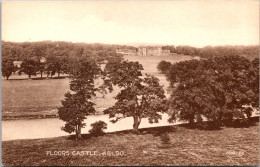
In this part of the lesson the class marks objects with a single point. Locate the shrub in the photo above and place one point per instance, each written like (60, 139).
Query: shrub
(163, 66)
(165, 139)
(98, 128)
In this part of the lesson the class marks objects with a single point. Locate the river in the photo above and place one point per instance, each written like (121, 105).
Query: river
(45, 128)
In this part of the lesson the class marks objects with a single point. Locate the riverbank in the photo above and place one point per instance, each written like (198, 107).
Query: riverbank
(29, 113)
(33, 113)
(228, 146)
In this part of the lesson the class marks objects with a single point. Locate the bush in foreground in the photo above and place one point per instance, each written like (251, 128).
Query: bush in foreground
(98, 128)
(165, 138)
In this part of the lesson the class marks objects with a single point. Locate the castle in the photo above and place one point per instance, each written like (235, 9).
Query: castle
(144, 51)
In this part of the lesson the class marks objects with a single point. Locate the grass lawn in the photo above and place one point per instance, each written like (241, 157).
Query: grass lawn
(26, 98)
(23, 99)
(150, 62)
(228, 146)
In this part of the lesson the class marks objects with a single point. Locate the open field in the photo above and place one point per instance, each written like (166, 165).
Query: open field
(25, 98)
(228, 146)
(36, 98)
(150, 62)
(150, 65)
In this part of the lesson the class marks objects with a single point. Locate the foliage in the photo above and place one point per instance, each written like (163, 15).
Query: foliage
(140, 96)
(29, 67)
(62, 57)
(165, 139)
(41, 67)
(100, 52)
(8, 68)
(163, 66)
(250, 52)
(217, 89)
(76, 106)
(98, 128)
(26, 50)
(254, 81)
(53, 65)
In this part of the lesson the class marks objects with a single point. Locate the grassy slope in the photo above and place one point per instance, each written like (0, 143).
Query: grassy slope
(188, 147)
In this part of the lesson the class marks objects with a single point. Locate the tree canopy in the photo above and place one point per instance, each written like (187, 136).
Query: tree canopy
(217, 89)
(24, 50)
(163, 66)
(140, 96)
(29, 67)
(61, 57)
(8, 68)
(250, 52)
(77, 105)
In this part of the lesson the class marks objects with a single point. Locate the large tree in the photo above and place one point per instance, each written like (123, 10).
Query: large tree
(77, 105)
(8, 68)
(140, 96)
(52, 64)
(29, 67)
(254, 81)
(217, 89)
(41, 67)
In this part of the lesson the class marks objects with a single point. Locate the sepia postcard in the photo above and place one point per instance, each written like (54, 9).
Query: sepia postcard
(130, 83)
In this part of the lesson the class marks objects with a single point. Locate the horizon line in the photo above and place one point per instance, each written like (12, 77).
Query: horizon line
(134, 44)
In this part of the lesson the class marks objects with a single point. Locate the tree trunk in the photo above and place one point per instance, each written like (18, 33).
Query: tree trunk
(7, 78)
(29, 76)
(191, 120)
(136, 124)
(58, 74)
(73, 71)
(41, 74)
(78, 131)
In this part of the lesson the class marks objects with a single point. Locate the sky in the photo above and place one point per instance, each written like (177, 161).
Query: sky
(196, 23)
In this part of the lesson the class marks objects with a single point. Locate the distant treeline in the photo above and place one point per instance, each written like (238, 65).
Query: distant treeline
(99, 52)
(62, 57)
(53, 57)
(250, 52)
(21, 51)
